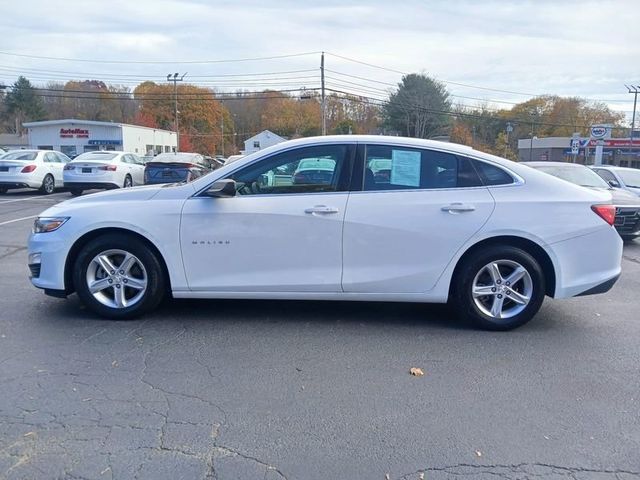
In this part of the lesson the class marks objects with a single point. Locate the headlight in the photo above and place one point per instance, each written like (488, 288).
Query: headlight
(48, 224)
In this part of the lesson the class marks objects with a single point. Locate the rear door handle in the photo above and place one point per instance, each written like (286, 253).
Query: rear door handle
(458, 208)
(321, 209)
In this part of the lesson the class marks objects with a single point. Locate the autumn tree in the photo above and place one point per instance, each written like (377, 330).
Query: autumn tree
(200, 114)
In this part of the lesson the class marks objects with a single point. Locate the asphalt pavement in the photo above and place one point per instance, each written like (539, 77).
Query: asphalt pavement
(311, 390)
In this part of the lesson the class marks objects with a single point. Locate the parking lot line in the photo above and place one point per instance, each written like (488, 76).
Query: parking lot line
(17, 220)
(24, 199)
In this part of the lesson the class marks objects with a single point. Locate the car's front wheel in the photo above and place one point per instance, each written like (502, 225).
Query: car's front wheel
(118, 277)
(499, 288)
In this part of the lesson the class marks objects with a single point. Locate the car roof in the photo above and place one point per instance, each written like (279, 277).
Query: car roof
(552, 164)
(614, 167)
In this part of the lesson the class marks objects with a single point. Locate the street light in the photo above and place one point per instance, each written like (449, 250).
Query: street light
(174, 78)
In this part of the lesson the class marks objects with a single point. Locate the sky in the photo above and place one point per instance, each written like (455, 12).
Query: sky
(488, 52)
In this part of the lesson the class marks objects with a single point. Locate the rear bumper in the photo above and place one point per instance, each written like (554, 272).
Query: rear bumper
(91, 185)
(15, 183)
(587, 264)
(604, 287)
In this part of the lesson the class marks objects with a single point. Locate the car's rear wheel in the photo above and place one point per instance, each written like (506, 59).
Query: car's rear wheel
(499, 288)
(128, 183)
(118, 277)
(76, 192)
(48, 184)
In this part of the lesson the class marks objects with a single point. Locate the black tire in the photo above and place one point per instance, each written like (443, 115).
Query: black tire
(155, 278)
(76, 192)
(128, 183)
(3, 190)
(48, 185)
(474, 271)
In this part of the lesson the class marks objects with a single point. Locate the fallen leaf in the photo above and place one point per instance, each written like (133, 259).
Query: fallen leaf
(478, 453)
(416, 372)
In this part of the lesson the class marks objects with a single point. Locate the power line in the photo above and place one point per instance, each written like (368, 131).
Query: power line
(159, 62)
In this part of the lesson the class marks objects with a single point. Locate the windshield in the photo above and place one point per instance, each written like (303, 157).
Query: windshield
(25, 156)
(317, 164)
(582, 176)
(105, 157)
(631, 178)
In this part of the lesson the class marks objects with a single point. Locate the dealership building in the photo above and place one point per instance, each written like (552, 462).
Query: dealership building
(73, 137)
(615, 151)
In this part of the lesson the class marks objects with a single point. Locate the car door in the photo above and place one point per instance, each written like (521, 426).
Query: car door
(54, 167)
(137, 169)
(59, 174)
(275, 235)
(416, 208)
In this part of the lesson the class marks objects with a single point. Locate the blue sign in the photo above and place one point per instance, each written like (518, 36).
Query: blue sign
(105, 142)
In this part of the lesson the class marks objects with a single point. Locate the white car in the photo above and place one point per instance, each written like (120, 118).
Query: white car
(448, 224)
(620, 177)
(103, 170)
(41, 169)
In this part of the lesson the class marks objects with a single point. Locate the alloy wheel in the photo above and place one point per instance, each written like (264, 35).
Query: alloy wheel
(116, 278)
(502, 289)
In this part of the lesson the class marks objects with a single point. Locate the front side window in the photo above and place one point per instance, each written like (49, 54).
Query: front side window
(304, 170)
(401, 168)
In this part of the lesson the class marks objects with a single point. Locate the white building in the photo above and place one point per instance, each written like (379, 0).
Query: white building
(73, 137)
(262, 140)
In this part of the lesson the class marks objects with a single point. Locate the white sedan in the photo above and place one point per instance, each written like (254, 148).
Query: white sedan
(103, 170)
(41, 169)
(446, 224)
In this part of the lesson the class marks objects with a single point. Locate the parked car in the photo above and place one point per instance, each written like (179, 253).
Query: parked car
(103, 170)
(175, 167)
(492, 242)
(627, 221)
(40, 169)
(620, 177)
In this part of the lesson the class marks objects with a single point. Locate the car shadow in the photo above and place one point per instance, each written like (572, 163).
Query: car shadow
(193, 312)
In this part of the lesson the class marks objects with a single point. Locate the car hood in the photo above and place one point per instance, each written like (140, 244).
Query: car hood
(123, 194)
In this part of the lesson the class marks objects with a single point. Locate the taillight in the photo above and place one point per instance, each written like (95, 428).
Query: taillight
(109, 168)
(28, 169)
(606, 212)
(69, 167)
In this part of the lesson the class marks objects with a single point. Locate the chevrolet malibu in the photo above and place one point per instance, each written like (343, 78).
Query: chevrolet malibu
(446, 224)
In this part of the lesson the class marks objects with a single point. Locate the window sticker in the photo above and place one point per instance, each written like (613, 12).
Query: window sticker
(405, 168)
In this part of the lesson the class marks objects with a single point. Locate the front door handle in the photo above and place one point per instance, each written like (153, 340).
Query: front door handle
(321, 209)
(458, 208)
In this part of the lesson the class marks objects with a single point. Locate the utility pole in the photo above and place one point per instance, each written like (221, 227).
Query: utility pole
(222, 130)
(174, 78)
(324, 103)
(633, 89)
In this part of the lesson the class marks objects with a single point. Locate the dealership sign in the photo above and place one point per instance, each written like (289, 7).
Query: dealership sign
(600, 132)
(74, 133)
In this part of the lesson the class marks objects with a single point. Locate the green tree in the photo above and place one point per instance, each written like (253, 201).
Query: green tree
(23, 104)
(419, 107)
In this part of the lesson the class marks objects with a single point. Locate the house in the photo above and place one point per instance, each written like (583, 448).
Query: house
(262, 140)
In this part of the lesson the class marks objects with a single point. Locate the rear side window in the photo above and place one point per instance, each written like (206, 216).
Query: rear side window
(400, 168)
(492, 175)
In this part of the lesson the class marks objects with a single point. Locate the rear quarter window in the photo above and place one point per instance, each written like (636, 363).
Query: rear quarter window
(492, 175)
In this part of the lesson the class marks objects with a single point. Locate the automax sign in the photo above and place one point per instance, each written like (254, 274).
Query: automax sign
(74, 133)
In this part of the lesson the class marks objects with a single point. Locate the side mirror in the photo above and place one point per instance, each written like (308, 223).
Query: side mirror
(613, 183)
(222, 188)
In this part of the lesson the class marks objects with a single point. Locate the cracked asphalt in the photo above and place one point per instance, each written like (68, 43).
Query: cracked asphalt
(310, 390)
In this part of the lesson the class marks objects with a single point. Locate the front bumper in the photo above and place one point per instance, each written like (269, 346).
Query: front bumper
(53, 253)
